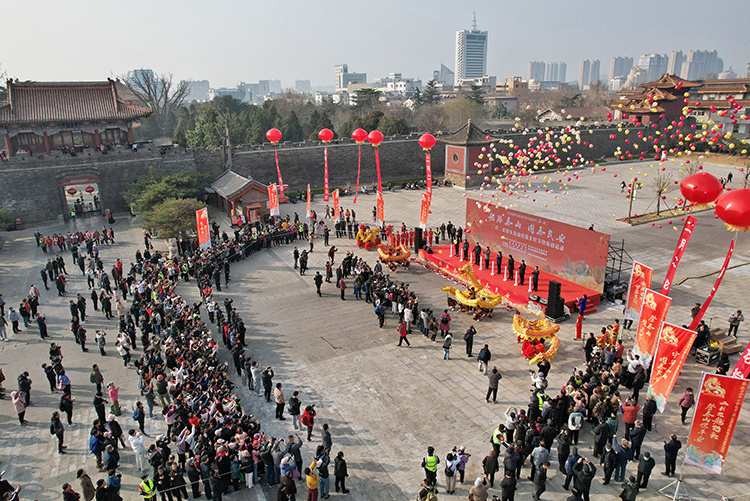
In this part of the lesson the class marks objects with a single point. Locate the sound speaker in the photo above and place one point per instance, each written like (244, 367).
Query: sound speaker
(554, 291)
(418, 239)
(428, 249)
(555, 304)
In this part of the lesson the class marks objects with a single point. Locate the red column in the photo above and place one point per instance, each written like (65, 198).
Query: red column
(45, 140)
(130, 134)
(97, 139)
(8, 149)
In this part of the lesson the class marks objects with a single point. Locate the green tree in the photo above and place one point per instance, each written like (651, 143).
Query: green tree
(352, 123)
(431, 94)
(324, 122)
(476, 94)
(371, 120)
(366, 99)
(151, 189)
(291, 128)
(173, 218)
(391, 126)
(417, 98)
(311, 126)
(6, 218)
(208, 131)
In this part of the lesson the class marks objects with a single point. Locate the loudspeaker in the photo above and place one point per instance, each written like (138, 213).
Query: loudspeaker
(555, 304)
(418, 239)
(554, 291)
(428, 250)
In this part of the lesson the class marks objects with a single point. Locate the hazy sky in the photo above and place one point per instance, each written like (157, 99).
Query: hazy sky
(227, 41)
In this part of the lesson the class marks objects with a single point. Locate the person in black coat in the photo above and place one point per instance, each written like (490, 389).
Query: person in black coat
(608, 459)
(584, 477)
(521, 272)
(671, 449)
(511, 266)
(645, 467)
(498, 262)
(563, 449)
(340, 473)
(649, 410)
(629, 489)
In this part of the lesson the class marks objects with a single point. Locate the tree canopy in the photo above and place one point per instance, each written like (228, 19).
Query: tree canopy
(173, 218)
(146, 192)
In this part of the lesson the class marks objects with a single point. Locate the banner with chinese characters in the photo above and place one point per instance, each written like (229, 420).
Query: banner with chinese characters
(325, 180)
(672, 349)
(424, 211)
(204, 233)
(428, 170)
(336, 212)
(278, 171)
(570, 252)
(653, 313)
(687, 232)
(716, 412)
(722, 272)
(308, 202)
(742, 369)
(640, 281)
(273, 200)
(380, 209)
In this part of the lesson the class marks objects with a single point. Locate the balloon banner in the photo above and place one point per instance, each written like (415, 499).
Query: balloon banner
(710, 297)
(308, 201)
(653, 313)
(687, 232)
(204, 234)
(716, 413)
(380, 208)
(424, 211)
(325, 181)
(428, 170)
(278, 171)
(359, 165)
(640, 281)
(672, 349)
(336, 205)
(273, 200)
(742, 369)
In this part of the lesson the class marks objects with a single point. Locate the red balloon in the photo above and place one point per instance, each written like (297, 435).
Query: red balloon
(733, 207)
(359, 135)
(273, 135)
(701, 188)
(375, 137)
(427, 141)
(325, 135)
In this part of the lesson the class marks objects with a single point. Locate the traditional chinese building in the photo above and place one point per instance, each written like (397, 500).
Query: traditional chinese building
(463, 154)
(238, 195)
(654, 101)
(43, 116)
(712, 101)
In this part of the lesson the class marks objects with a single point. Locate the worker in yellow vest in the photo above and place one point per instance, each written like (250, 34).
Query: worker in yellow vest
(146, 489)
(430, 464)
(498, 437)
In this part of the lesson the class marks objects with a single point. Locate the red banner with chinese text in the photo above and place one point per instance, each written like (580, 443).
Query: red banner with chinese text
(381, 205)
(308, 201)
(716, 412)
(742, 369)
(424, 211)
(336, 212)
(204, 233)
(653, 313)
(640, 281)
(359, 168)
(702, 311)
(687, 232)
(672, 349)
(428, 171)
(273, 200)
(278, 171)
(325, 181)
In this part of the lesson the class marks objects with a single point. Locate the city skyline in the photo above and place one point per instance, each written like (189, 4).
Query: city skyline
(227, 42)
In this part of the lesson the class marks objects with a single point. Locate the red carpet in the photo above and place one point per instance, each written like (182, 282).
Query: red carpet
(569, 291)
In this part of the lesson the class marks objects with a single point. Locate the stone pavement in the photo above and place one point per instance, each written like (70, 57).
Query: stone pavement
(384, 404)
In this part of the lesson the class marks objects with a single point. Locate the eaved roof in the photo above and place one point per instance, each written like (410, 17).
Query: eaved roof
(231, 184)
(468, 135)
(67, 102)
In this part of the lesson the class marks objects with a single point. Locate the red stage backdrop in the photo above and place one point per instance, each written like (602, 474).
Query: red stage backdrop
(653, 313)
(671, 351)
(569, 252)
(716, 413)
(640, 281)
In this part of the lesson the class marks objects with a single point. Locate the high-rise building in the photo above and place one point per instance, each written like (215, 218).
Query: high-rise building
(555, 71)
(444, 76)
(655, 65)
(302, 86)
(536, 70)
(674, 66)
(197, 91)
(700, 64)
(588, 73)
(619, 67)
(471, 53)
(343, 78)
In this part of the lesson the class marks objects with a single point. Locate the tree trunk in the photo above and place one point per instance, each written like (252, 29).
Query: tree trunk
(227, 147)
(658, 204)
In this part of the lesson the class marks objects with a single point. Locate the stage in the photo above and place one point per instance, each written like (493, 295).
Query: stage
(519, 294)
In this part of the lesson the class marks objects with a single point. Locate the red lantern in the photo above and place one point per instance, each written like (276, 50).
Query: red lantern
(375, 137)
(325, 135)
(427, 141)
(273, 135)
(733, 207)
(700, 189)
(90, 189)
(359, 135)
(72, 191)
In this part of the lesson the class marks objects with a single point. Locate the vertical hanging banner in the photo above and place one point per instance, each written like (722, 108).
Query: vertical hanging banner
(204, 233)
(716, 413)
(742, 369)
(672, 349)
(687, 232)
(326, 196)
(278, 171)
(640, 281)
(308, 201)
(707, 302)
(424, 211)
(359, 168)
(273, 200)
(653, 313)
(381, 205)
(336, 212)
(274, 135)
(360, 136)
(428, 171)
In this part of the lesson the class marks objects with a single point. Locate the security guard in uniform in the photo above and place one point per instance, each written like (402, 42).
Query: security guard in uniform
(147, 489)
(498, 437)
(429, 464)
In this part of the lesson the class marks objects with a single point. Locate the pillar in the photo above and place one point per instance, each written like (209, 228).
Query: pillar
(46, 141)
(97, 138)
(8, 148)
(130, 134)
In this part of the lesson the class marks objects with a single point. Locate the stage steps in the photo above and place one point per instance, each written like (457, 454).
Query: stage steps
(727, 344)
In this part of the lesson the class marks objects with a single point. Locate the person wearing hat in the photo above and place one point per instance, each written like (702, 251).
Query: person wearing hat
(147, 489)
(430, 463)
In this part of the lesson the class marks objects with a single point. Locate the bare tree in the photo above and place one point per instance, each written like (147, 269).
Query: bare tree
(158, 91)
(662, 185)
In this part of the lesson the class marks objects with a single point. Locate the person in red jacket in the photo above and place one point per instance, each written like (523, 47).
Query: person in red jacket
(629, 414)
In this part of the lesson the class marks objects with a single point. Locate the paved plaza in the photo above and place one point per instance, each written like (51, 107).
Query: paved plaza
(384, 404)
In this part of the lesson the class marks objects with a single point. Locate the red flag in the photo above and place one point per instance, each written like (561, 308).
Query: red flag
(742, 369)
(308, 201)
(204, 234)
(336, 205)
(424, 211)
(380, 208)
(359, 164)
(653, 312)
(716, 413)
(273, 200)
(687, 232)
(428, 170)
(703, 309)
(278, 171)
(325, 181)
(640, 281)
(672, 349)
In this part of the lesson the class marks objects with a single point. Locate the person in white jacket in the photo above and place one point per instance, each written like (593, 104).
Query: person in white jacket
(137, 440)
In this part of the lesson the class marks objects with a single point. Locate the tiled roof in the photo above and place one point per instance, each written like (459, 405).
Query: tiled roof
(670, 82)
(468, 135)
(717, 88)
(721, 104)
(576, 113)
(231, 184)
(41, 102)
